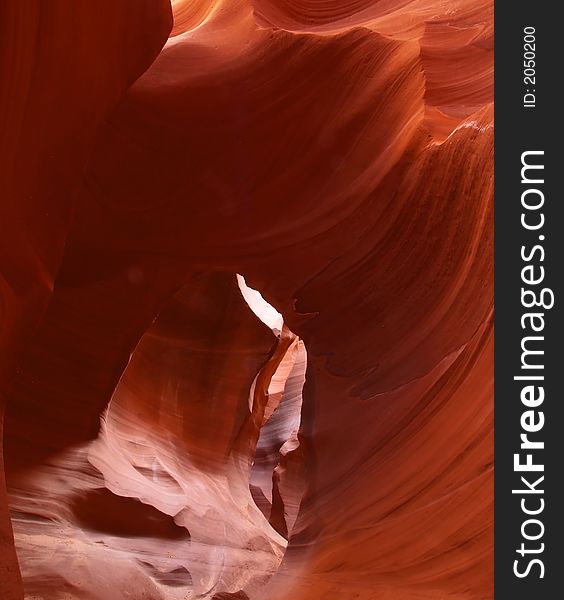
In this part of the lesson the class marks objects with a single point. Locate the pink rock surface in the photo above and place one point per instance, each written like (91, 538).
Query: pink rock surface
(169, 433)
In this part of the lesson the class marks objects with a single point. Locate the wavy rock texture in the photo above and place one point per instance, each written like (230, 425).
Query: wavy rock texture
(170, 434)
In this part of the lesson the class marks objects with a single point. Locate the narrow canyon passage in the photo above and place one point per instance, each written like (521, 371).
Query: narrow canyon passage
(204, 419)
(169, 433)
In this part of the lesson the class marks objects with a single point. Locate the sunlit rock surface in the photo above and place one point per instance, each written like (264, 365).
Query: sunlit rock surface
(246, 300)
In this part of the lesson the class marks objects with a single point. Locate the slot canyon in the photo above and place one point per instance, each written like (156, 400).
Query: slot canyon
(246, 300)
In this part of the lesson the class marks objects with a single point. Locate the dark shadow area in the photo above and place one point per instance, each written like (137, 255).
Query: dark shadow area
(179, 577)
(101, 510)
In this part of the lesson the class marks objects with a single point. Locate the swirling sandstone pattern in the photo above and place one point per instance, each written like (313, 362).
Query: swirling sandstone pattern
(169, 435)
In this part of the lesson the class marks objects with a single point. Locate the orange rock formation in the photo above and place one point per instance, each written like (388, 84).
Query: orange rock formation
(170, 434)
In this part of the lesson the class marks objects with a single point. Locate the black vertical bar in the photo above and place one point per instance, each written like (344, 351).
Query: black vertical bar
(528, 114)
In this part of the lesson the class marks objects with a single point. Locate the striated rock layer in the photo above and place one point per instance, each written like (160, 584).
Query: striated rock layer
(168, 431)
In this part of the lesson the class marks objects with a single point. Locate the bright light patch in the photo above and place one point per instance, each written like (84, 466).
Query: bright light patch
(262, 309)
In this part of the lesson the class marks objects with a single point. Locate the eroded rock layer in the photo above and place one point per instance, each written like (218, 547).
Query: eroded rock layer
(168, 431)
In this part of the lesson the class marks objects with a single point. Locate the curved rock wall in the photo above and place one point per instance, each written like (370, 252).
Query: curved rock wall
(160, 439)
